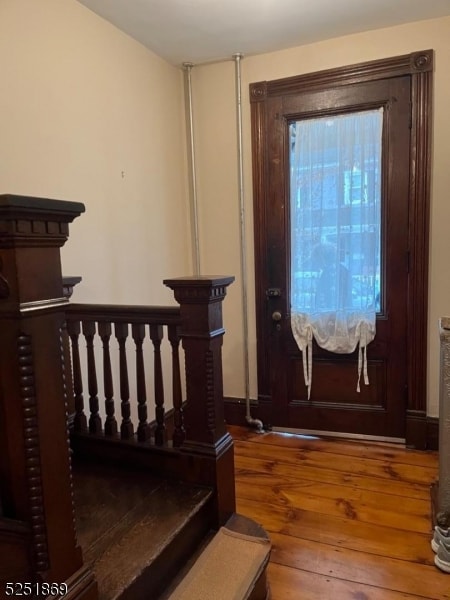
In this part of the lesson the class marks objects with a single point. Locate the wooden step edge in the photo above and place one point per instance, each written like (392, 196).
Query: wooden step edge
(259, 588)
(96, 549)
(158, 575)
(246, 526)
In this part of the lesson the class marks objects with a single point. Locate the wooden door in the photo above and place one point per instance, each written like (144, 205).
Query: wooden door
(381, 408)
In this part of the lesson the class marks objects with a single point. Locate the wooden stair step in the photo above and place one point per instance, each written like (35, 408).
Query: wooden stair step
(232, 566)
(136, 531)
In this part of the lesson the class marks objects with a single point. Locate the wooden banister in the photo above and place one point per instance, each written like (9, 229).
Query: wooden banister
(35, 459)
(199, 428)
(129, 325)
(35, 468)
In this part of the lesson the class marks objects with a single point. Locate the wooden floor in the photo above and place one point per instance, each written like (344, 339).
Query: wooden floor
(348, 520)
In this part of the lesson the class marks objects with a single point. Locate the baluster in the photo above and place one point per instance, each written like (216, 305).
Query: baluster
(80, 421)
(156, 335)
(104, 331)
(95, 422)
(143, 430)
(126, 428)
(178, 432)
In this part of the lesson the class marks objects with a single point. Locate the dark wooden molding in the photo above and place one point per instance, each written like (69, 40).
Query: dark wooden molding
(419, 203)
(406, 64)
(69, 282)
(31, 222)
(416, 429)
(433, 433)
(422, 61)
(259, 177)
(236, 411)
(258, 91)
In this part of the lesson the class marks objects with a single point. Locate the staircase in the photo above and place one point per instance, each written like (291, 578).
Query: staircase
(136, 532)
(120, 504)
(137, 535)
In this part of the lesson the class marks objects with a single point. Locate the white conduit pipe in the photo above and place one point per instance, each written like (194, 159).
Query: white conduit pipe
(193, 181)
(250, 421)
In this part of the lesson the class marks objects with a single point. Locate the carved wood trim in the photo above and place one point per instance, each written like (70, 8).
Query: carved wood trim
(419, 202)
(33, 459)
(406, 64)
(32, 222)
(69, 460)
(259, 168)
(210, 399)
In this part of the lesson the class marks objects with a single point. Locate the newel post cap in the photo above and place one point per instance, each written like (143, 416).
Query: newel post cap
(199, 290)
(26, 221)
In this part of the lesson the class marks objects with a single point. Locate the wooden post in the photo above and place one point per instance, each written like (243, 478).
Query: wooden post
(35, 470)
(208, 447)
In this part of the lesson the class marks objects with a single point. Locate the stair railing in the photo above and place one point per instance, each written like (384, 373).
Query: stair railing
(189, 433)
(117, 327)
(36, 384)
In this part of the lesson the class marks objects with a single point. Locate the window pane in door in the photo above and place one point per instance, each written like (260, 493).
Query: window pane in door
(335, 201)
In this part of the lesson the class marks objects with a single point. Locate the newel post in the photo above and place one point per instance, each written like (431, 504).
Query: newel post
(35, 470)
(208, 447)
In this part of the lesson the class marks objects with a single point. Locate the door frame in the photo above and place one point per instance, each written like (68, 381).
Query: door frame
(419, 66)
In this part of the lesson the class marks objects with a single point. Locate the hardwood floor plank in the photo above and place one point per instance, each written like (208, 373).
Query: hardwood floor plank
(351, 503)
(348, 520)
(360, 449)
(268, 470)
(360, 567)
(293, 584)
(384, 469)
(353, 535)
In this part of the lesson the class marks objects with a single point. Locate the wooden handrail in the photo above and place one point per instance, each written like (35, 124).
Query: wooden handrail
(125, 313)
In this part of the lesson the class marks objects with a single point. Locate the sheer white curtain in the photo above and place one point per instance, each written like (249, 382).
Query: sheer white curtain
(335, 202)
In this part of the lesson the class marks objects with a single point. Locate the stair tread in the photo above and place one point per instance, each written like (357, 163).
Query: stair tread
(126, 519)
(232, 565)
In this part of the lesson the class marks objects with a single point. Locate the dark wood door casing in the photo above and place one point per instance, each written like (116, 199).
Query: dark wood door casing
(419, 67)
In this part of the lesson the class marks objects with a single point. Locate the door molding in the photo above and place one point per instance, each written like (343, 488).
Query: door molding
(419, 66)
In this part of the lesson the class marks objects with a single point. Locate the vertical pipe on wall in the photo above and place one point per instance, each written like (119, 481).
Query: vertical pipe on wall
(192, 176)
(252, 422)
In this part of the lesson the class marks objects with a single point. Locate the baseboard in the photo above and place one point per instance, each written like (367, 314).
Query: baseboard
(432, 433)
(423, 431)
(416, 429)
(235, 410)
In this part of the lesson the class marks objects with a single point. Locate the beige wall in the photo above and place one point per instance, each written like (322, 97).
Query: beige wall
(88, 114)
(214, 97)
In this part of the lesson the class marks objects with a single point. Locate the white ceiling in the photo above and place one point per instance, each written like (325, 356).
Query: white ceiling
(201, 31)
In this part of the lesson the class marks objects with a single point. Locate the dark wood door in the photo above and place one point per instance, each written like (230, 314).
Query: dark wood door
(380, 408)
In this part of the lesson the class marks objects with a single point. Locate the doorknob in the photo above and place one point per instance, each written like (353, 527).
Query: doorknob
(276, 315)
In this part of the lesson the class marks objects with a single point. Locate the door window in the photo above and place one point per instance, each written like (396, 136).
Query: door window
(335, 201)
